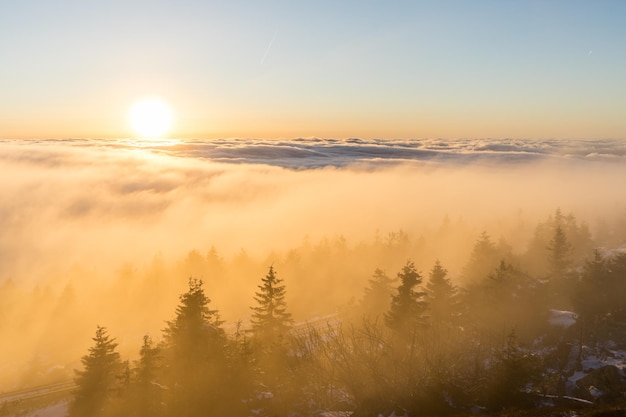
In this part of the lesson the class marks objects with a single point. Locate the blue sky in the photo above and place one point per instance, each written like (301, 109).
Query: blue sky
(532, 69)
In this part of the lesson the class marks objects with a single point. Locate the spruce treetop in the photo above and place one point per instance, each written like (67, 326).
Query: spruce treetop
(270, 317)
(407, 305)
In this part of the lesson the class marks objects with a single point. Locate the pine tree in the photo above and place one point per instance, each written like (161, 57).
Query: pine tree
(194, 353)
(146, 392)
(483, 259)
(98, 382)
(147, 366)
(578, 236)
(592, 295)
(270, 324)
(195, 325)
(617, 286)
(441, 296)
(510, 370)
(559, 250)
(270, 319)
(408, 305)
(377, 297)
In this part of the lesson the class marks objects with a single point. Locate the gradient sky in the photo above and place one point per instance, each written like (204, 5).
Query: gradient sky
(266, 69)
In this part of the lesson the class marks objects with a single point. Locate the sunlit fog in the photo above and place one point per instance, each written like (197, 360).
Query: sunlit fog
(108, 233)
(312, 208)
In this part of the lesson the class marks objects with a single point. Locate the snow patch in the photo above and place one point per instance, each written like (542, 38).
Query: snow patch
(616, 359)
(595, 392)
(562, 318)
(54, 410)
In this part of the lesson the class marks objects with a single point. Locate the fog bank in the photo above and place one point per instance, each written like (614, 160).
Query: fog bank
(96, 231)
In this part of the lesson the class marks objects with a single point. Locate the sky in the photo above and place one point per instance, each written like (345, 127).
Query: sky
(330, 69)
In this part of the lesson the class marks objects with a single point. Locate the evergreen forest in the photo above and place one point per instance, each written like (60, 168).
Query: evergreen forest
(541, 332)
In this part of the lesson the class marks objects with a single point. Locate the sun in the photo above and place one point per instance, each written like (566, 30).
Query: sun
(151, 118)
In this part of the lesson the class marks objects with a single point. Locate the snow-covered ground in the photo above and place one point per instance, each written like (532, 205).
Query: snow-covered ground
(615, 358)
(562, 318)
(55, 410)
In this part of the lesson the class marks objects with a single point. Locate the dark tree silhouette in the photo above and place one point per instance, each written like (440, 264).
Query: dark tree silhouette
(147, 366)
(617, 285)
(194, 350)
(146, 392)
(511, 369)
(98, 382)
(484, 258)
(559, 250)
(377, 297)
(195, 325)
(270, 326)
(598, 295)
(441, 296)
(408, 305)
(270, 319)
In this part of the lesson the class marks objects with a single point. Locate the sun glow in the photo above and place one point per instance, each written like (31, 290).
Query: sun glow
(151, 118)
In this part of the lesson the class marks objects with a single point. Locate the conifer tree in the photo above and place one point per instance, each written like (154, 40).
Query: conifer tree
(147, 366)
(483, 259)
(441, 296)
(591, 297)
(510, 370)
(270, 318)
(146, 393)
(196, 371)
(559, 250)
(617, 285)
(270, 324)
(408, 305)
(195, 325)
(377, 297)
(98, 382)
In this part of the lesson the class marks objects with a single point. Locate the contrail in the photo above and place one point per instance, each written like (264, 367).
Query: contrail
(268, 48)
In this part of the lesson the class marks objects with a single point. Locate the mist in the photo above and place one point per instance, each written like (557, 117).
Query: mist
(108, 232)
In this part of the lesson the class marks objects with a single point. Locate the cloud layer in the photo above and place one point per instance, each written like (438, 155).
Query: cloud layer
(81, 218)
(77, 200)
(316, 153)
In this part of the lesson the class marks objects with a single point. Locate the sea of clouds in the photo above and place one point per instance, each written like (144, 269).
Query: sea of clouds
(318, 153)
(105, 202)
(86, 225)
